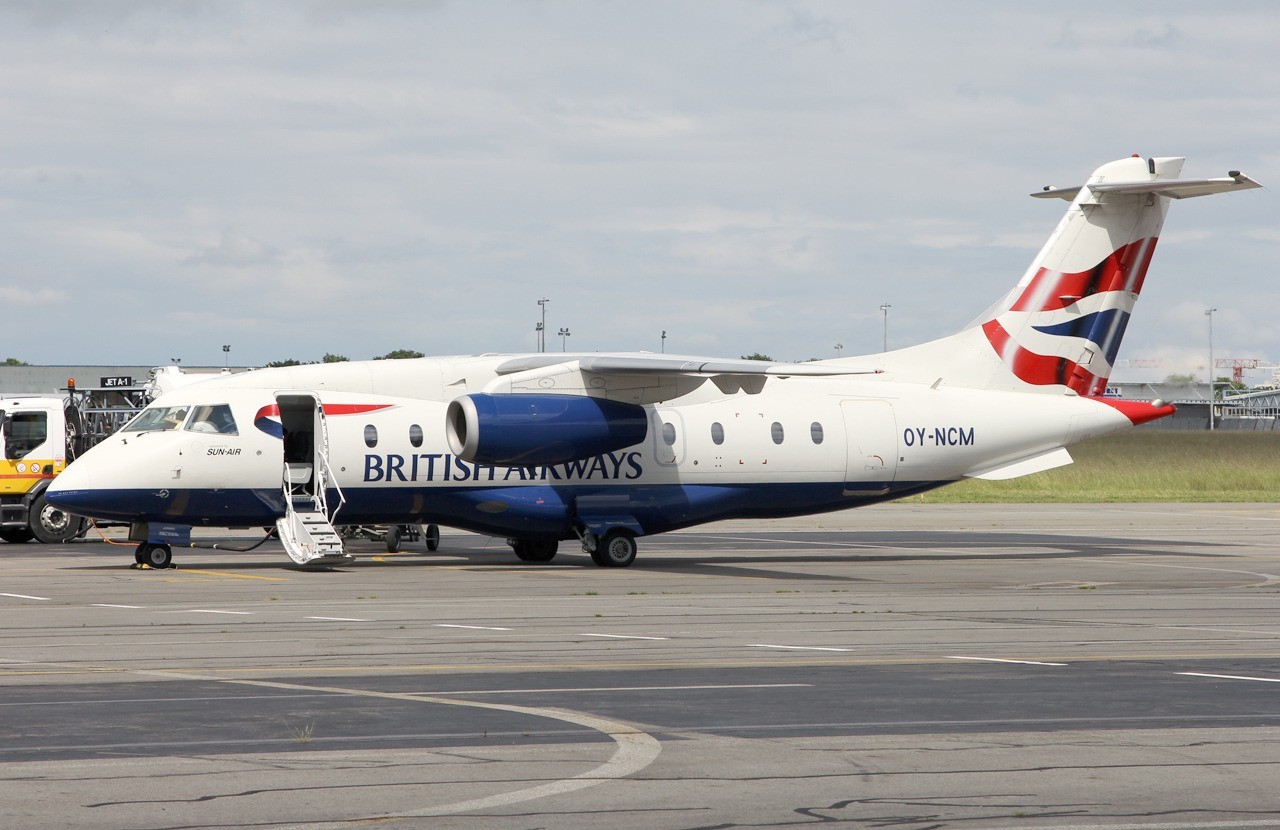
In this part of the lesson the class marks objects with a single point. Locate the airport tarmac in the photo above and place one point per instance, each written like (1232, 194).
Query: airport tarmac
(905, 666)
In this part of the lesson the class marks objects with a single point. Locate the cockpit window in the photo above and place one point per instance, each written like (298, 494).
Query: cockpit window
(215, 419)
(158, 418)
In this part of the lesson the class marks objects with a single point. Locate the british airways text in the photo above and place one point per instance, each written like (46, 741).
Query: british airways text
(434, 466)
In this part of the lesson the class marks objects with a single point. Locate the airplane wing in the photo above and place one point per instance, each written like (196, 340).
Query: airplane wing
(643, 378)
(680, 365)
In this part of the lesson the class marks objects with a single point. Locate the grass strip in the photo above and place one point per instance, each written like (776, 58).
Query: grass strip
(1142, 465)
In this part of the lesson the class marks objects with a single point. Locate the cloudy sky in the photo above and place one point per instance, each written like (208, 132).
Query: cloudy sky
(295, 178)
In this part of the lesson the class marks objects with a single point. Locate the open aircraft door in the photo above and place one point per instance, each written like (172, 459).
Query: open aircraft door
(871, 454)
(306, 529)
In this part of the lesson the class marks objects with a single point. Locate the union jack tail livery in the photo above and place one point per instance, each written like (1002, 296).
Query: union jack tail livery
(1062, 324)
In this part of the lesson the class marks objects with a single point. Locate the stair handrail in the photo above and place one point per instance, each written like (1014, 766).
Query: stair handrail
(324, 472)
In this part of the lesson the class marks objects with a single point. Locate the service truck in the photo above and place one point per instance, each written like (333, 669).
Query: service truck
(40, 435)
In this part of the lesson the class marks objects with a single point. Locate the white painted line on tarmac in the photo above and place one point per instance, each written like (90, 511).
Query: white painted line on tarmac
(211, 611)
(1229, 676)
(616, 689)
(338, 619)
(1003, 660)
(798, 648)
(476, 627)
(622, 636)
(24, 596)
(105, 605)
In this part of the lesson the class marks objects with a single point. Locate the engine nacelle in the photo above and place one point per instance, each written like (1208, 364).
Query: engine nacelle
(537, 430)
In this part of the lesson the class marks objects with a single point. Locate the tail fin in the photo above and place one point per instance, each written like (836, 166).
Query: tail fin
(1062, 324)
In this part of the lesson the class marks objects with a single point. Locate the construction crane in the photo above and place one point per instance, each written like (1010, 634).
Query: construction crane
(1237, 365)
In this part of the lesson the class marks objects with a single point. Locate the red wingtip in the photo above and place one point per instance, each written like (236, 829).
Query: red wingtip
(1140, 412)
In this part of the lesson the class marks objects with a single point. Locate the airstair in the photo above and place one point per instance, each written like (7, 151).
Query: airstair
(306, 530)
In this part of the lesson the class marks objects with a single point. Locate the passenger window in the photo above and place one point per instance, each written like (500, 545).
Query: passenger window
(24, 431)
(776, 430)
(669, 434)
(717, 433)
(415, 435)
(370, 436)
(815, 432)
(213, 419)
(158, 419)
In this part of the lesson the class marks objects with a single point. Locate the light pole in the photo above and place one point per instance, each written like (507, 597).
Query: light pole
(226, 356)
(542, 327)
(839, 348)
(664, 341)
(884, 307)
(1209, 313)
(564, 333)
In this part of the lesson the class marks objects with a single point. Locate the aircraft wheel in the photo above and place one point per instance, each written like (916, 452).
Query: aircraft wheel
(52, 525)
(157, 556)
(535, 550)
(597, 556)
(17, 535)
(618, 548)
(392, 538)
(542, 550)
(432, 534)
(140, 554)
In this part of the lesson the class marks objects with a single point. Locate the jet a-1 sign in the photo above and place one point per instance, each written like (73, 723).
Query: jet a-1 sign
(606, 448)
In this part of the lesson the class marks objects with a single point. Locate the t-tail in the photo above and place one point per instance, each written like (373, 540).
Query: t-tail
(1062, 324)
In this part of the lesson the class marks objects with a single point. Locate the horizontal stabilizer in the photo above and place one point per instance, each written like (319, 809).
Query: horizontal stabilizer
(1025, 467)
(1172, 188)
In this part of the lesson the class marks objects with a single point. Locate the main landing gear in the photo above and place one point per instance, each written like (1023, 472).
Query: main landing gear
(154, 556)
(534, 550)
(616, 549)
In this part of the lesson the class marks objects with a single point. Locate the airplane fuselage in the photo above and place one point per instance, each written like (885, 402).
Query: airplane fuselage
(799, 445)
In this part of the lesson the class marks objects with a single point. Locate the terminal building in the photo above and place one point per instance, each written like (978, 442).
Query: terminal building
(50, 380)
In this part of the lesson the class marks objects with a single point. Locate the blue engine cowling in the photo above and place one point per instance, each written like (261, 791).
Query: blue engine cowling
(536, 430)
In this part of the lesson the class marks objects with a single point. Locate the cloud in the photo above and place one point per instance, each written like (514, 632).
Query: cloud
(12, 295)
(237, 250)
(429, 170)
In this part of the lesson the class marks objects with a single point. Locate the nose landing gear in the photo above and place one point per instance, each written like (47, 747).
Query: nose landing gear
(157, 556)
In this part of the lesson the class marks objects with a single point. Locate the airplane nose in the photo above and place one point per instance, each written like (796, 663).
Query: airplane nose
(72, 490)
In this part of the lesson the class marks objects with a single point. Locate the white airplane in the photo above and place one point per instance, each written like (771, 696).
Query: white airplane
(604, 448)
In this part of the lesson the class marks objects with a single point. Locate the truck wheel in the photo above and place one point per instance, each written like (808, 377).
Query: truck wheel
(52, 525)
(16, 535)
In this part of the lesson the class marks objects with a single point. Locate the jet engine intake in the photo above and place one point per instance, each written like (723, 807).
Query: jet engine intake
(536, 430)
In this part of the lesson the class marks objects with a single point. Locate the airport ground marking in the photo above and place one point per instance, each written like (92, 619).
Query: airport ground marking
(474, 627)
(24, 596)
(107, 605)
(210, 611)
(798, 648)
(1229, 676)
(1266, 576)
(338, 619)
(622, 636)
(1005, 660)
(1246, 824)
(635, 748)
(621, 689)
(231, 575)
